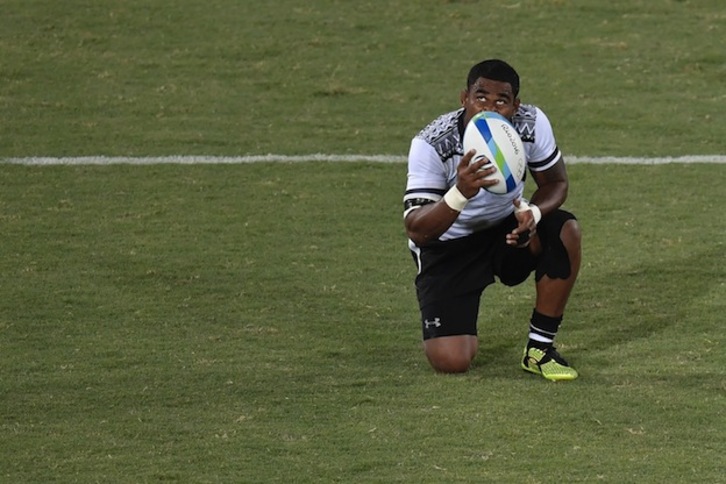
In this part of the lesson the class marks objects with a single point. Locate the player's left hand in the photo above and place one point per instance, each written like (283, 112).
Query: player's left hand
(527, 227)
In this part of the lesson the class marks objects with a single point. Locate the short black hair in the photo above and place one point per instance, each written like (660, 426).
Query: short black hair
(496, 70)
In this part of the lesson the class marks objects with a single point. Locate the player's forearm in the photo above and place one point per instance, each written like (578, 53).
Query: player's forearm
(550, 197)
(552, 186)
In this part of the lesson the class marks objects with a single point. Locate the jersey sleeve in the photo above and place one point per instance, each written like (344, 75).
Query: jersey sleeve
(545, 153)
(427, 180)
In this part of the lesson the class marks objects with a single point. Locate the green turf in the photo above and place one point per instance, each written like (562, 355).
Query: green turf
(258, 323)
(237, 323)
(224, 77)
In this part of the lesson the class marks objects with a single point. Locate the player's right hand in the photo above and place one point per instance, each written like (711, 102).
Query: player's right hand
(471, 176)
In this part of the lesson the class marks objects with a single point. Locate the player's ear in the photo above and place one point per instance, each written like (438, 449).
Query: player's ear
(516, 103)
(462, 97)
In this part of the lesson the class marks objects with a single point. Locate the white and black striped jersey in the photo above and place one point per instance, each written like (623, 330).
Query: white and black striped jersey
(437, 150)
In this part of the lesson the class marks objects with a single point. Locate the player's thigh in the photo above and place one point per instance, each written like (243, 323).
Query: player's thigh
(452, 316)
(450, 283)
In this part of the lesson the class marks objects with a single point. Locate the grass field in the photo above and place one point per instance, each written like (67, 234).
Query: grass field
(258, 323)
(220, 77)
(159, 323)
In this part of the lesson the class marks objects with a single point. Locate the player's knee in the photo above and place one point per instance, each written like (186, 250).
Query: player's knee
(571, 236)
(449, 363)
(450, 355)
(562, 241)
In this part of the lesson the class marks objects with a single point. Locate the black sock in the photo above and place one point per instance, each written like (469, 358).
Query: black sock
(542, 330)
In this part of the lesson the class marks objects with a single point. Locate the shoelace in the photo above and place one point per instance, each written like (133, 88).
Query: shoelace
(552, 354)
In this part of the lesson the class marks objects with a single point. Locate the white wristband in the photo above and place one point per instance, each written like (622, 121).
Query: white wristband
(536, 213)
(524, 206)
(455, 200)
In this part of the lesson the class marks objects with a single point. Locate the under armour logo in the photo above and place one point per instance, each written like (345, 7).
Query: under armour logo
(435, 323)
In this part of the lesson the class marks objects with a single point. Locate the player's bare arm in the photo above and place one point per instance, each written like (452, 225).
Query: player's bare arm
(430, 221)
(552, 186)
(551, 193)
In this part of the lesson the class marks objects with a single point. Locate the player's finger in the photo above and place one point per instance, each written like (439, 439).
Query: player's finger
(466, 159)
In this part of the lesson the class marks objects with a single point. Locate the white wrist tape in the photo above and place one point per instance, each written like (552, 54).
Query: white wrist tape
(455, 200)
(536, 213)
(524, 206)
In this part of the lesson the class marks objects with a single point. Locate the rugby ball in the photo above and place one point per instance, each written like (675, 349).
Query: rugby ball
(493, 137)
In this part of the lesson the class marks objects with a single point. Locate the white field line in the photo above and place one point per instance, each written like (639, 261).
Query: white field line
(219, 160)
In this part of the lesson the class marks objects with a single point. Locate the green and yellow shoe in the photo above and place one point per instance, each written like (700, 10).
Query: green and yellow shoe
(547, 363)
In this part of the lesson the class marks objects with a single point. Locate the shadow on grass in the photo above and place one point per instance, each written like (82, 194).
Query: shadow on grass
(614, 308)
(645, 299)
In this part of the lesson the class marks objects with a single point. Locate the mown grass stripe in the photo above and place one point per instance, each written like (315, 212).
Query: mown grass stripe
(217, 160)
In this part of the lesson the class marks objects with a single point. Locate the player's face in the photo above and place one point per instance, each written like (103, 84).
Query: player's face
(489, 95)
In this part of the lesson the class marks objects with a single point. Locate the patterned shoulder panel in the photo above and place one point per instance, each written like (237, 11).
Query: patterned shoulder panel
(443, 134)
(524, 121)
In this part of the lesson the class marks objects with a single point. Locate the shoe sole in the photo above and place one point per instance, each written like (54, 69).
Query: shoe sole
(536, 371)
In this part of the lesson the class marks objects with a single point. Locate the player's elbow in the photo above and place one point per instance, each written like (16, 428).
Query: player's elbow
(564, 190)
(416, 233)
(553, 195)
(417, 238)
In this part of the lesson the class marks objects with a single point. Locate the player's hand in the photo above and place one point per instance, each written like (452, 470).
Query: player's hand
(527, 227)
(471, 175)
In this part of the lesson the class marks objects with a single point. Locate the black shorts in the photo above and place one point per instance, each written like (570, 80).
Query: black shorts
(454, 273)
